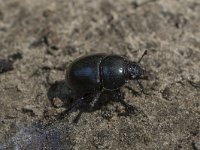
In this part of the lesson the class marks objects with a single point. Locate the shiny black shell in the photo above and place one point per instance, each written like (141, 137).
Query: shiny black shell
(95, 72)
(113, 72)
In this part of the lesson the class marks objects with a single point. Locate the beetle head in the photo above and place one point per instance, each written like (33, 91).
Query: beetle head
(135, 71)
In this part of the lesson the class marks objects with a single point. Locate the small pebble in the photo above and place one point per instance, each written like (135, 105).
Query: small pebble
(29, 110)
(16, 56)
(50, 112)
(57, 102)
(5, 65)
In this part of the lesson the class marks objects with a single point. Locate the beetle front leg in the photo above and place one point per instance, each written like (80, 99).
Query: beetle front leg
(129, 108)
(142, 88)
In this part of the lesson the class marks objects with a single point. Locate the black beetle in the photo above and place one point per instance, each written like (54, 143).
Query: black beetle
(93, 74)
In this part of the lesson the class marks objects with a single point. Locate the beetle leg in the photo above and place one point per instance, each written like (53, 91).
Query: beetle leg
(75, 105)
(95, 99)
(129, 108)
(76, 119)
(141, 87)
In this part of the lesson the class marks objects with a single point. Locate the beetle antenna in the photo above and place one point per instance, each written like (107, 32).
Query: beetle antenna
(145, 53)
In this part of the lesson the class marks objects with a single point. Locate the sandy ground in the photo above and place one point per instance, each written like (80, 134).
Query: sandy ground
(41, 38)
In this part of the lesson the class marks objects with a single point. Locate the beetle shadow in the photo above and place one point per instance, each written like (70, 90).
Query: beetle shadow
(59, 90)
(85, 107)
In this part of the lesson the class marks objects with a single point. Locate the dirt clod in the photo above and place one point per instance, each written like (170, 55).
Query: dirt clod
(57, 102)
(5, 65)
